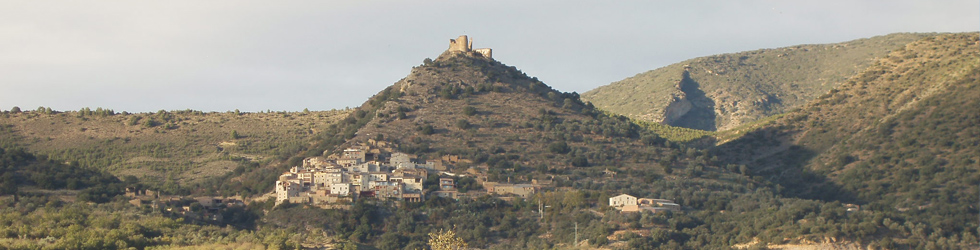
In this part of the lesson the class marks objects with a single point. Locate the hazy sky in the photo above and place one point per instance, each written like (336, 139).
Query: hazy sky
(210, 55)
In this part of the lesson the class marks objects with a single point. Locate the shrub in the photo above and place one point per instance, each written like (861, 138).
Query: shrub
(469, 111)
(462, 124)
(427, 130)
(559, 148)
(580, 161)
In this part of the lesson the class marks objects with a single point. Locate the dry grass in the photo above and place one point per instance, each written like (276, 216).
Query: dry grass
(184, 145)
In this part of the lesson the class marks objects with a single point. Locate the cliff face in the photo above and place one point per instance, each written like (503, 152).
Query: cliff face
(742, 87)
(677, 108)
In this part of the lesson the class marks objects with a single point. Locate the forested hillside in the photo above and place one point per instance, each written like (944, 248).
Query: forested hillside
(900, 138)
(724, 91)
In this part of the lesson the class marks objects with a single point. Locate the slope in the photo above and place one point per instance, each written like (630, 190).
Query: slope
(901, 138)
(185, 147)
(723, 91)
(497, 117)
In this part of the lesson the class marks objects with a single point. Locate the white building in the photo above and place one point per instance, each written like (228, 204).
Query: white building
(341, 189)
(400, 158)
(622, 200)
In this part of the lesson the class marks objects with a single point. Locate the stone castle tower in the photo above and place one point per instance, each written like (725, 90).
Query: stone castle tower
(464, 44)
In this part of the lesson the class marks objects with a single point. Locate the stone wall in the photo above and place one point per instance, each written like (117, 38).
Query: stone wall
(486, 52)
(461, 44)
(465, 44)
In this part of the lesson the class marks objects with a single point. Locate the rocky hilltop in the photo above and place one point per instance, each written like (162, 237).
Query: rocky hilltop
(724, 91)
(466, 105)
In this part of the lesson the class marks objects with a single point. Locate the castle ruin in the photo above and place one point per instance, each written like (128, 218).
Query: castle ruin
(464, 44)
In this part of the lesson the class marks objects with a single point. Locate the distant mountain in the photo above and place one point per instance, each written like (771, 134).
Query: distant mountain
(901, 137)
(724, 91)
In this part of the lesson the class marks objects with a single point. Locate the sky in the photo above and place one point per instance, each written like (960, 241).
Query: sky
(221, 55)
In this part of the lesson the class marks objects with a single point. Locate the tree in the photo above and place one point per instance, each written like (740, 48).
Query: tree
(351, 246)
(559, 148)
(580, 161)
(235, 135)
(15, 110)
(9, 185)
(390, 240)
(446, 240)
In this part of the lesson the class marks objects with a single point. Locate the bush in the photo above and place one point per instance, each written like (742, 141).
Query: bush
(463, 124)
(559, 148)
(427, 130)
(580, 161)
(469, 111)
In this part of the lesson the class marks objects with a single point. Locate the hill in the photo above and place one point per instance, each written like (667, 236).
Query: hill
(900, 138)
(507, 127)
(786, 181)
(491, 121)
(724, 91)
(164, 148)
(479, 109)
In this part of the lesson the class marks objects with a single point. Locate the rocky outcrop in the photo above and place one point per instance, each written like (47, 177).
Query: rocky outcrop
(677, 108)
(693, 109)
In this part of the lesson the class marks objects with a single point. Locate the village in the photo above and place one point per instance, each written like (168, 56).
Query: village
(373, 171)
(376, 170)
(335, 181)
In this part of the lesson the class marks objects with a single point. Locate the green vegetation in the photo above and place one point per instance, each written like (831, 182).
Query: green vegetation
(44, 222)
(672, 133)
(20, 170)
(899, 139)
(519, 118)
(743, 87)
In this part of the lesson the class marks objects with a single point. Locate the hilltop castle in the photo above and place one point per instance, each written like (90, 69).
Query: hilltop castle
(464, 44)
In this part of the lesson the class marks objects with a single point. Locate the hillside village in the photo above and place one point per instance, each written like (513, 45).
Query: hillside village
(360, 172)
(376, 170)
